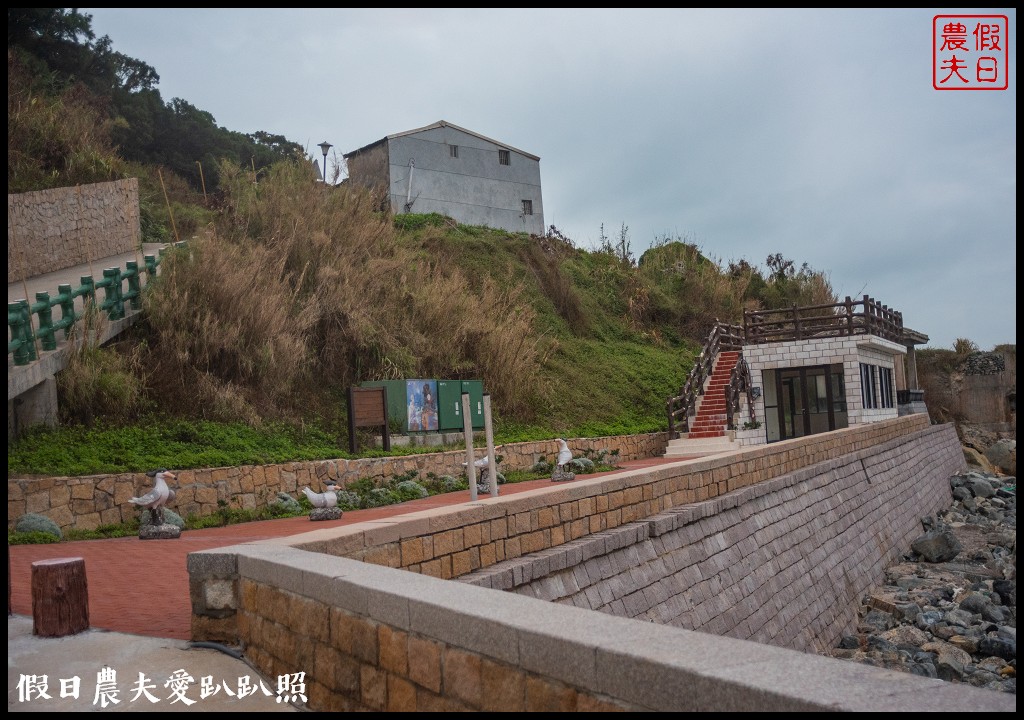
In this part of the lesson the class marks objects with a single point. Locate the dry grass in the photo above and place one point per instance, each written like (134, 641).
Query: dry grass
(54, 140)
(97, 381)
(302, 290)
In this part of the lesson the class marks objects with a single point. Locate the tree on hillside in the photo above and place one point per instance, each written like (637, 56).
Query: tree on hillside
(59, 47)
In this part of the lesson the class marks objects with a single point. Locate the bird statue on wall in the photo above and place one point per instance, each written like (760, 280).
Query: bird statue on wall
(158, 497)
(327, 499)
(564, 454)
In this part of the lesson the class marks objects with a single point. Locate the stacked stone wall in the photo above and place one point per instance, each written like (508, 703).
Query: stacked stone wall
(49, 230)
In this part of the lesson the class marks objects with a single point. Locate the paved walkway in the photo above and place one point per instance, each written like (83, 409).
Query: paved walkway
(50, 282)
(141, 587)
(140, 614)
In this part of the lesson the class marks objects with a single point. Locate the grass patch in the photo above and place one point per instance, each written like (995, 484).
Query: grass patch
(31, 538)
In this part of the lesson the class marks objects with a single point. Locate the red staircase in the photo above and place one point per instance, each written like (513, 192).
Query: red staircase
(710, 420)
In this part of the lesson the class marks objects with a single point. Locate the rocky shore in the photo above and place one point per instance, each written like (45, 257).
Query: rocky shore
(949, 609)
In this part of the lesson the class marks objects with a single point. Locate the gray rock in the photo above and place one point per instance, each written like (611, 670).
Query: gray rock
(560, 475)
(938, 545)
(325, 514)
(878, 620)
(998, 647)
(159, 532)
(981, 488)
(961, 493)
(1007, 590)
(928, 619)
(924, 669)
(907, 611)
(170, 518)
(1003, 455)
(849, 642)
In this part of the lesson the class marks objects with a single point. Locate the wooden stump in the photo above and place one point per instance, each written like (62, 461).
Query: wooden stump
(60, 597)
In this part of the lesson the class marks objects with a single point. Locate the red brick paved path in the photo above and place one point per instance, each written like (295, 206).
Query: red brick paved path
(141, 586)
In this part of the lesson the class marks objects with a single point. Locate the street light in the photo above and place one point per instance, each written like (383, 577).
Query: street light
(325, 146)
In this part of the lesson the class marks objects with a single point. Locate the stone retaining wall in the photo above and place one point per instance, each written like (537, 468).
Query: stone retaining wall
(375, 638)
(87, 502)
(782, 562)
(455, 540)
(452, 541)
(49, 230)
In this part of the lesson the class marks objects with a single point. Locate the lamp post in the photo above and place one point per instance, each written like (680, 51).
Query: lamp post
(325, 146)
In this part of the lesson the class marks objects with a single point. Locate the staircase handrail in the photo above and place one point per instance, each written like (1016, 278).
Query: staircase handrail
(739, 382)
(723, 336)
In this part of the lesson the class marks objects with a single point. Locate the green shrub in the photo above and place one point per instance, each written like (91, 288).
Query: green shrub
(410, 490)
(348, 500)
(379, 497)
(35, 523)
(34, 537)
(285, 504)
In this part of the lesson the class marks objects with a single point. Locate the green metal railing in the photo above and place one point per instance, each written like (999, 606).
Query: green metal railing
(24, 332)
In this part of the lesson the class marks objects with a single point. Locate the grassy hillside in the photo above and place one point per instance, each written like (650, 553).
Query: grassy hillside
(290, 291)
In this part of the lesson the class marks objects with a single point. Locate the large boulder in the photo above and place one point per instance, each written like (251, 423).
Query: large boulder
(1003, 455)
(937, 545)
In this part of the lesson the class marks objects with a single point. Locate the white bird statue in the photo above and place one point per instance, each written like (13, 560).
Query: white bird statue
(485, 461)
(158, 497)
(564, 454)
(326, 499)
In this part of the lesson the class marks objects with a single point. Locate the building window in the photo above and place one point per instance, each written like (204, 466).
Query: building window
(454, 150)
(869, 386)
(876, 386)
(503, 157)
(885, 386)
(527, 207)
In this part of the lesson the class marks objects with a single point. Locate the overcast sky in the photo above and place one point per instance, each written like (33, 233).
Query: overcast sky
(812, 133)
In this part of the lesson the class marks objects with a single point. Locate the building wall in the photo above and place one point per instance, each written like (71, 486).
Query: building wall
(369, 168)
(473, 188)
(850, 351)
(49, 230)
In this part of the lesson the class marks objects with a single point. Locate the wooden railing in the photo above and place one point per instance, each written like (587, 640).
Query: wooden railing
(24, 331)
(860, 317)
(739, 383)
(679, 408)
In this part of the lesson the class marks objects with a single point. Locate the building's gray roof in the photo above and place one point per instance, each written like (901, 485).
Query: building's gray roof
(440, 124)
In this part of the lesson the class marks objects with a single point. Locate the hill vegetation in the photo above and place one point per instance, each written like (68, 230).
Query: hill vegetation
(290, 291)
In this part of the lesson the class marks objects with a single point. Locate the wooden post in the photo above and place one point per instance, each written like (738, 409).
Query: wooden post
(60, 597)
(201, 178)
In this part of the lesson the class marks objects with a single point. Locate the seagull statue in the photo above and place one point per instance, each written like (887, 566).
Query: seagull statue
(485, 461)
(158, 497)
(564, 454)
(326, 499)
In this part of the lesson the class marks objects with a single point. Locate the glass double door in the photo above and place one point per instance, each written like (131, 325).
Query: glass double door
(810, 400)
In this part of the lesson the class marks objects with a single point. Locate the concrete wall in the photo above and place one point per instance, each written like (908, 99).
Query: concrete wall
(984, 398)
(782, 562)
(377, 638)
(87, 502)
(50, 230)
(474, 188)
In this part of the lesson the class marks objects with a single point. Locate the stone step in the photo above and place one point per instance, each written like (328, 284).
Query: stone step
(699, 447)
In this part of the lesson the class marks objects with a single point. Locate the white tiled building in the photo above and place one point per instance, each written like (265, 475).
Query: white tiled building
(805, 387)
